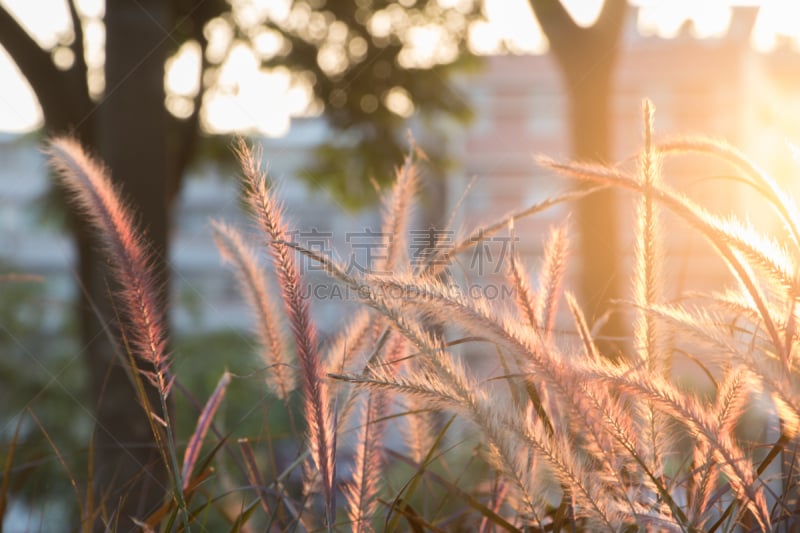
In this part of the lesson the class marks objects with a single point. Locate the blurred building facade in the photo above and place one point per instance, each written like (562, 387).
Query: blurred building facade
(717, 87)
(710, 87)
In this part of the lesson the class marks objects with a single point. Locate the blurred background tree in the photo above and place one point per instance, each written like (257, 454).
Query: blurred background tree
(586, 57)
(146, 150)
(359, 64)
(371, 65)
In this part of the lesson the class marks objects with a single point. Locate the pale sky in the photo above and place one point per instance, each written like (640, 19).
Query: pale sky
(243, 86)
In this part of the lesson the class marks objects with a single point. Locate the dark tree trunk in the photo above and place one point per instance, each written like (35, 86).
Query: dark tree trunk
(133, 143)
(128, 126)
(586, 57)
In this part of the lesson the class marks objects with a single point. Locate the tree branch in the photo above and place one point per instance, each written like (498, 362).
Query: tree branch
(562, 31)
(556, 22)
(78, 44)
(33, 61)
(581, 51)
(612, 18)
(62, 95)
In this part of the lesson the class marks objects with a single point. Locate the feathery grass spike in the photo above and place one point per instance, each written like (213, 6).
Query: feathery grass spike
(92, 190)
(268, 214)
(280, 378)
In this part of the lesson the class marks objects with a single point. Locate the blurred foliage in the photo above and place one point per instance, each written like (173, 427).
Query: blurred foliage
(371, 65)
(200, 360)
(248, 411)
(372, 68)
(40, 372)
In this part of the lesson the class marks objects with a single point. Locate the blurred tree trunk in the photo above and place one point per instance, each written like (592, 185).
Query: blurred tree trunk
(586, 58)
(128, 127)
(132, 141)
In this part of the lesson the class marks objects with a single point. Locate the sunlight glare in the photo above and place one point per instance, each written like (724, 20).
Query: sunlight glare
(462, 5)
(267, 42)
(429, 45)
(332, 58)
(92, 8)
(510, 23)
(183, 70)
(253, 11)
(19, 110)
(63, 57)
(775, 19)
(398, 101)
(584, 12)
(249, 98)
(219, 34)
(709, 18)
(47, 21)
(238, 67)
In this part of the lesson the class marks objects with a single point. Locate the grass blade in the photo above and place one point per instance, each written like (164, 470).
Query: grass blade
(203, 422)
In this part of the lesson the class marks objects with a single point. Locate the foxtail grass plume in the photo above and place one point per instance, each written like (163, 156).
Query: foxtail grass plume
(268, 215)
(91, 188)
(280, 374)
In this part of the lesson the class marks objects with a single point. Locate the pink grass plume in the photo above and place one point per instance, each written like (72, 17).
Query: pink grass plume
(267, 213)
(90, 186)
